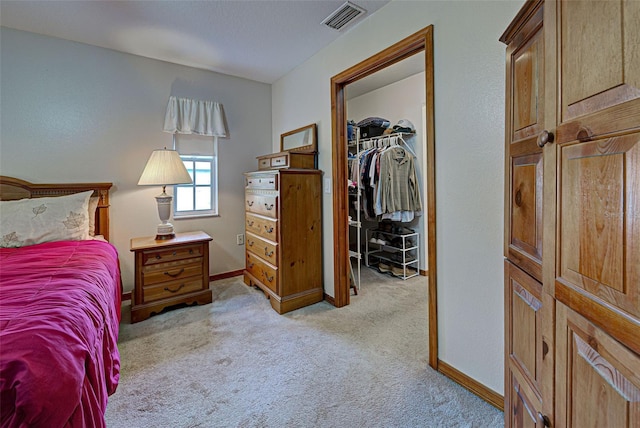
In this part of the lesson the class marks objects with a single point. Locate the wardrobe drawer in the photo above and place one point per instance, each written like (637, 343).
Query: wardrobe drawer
(263, 227)
(263, 181)
(265, 273)
(262, 204)
(262, 248)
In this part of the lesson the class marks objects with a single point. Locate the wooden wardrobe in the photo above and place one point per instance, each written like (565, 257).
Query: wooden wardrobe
(572, 215)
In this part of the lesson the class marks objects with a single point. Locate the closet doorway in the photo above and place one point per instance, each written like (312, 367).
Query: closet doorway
(419, 42)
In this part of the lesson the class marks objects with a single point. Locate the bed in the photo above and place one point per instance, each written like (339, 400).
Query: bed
(59, 308)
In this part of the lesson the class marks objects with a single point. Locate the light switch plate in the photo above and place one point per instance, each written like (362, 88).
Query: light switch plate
(327, 185)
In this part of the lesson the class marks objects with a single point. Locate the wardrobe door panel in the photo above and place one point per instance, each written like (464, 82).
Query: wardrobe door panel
(598, 223)
(598, 379)
(599, 67)
(525, 212)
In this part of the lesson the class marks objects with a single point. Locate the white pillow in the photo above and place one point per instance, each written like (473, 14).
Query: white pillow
(93, 205)
(38, 220)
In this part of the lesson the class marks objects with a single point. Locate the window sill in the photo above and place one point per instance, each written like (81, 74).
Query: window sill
(192, 216)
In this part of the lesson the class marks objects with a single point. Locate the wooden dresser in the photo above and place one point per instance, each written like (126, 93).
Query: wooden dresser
(284, 236)
(572, 215)
(170, 272)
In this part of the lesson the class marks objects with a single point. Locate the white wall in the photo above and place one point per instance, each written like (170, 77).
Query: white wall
(469, 116)
(399, 100)
(73, 112)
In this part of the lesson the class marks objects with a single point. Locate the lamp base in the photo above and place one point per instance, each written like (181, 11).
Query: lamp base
(165, 231)
(167, 236)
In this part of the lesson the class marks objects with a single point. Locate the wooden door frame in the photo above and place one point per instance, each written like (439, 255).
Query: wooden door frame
(421, 41)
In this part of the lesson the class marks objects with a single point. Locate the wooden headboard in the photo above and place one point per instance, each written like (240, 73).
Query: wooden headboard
(13, 188)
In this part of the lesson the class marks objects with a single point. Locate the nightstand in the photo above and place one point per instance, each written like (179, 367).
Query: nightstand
(170, 272)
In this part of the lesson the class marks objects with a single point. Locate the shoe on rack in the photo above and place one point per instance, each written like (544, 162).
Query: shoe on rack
(397, 257)
(381, 241)
(400, 230)
(384, 268)
(402, 273)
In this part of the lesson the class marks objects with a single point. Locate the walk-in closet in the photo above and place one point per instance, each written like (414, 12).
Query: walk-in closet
(386, 163)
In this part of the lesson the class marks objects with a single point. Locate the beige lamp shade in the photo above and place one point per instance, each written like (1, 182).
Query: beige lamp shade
(164, 167)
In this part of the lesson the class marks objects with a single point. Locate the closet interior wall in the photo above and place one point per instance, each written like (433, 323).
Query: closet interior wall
(403, 99)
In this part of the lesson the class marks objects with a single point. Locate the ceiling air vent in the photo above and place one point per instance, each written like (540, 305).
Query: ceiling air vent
(343, 15)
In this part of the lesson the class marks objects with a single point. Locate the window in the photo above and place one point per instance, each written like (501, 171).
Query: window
(199, 198)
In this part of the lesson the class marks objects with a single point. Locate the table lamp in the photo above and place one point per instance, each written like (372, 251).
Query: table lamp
(164, 168)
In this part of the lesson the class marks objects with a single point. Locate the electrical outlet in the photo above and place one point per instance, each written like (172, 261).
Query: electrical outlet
(240, 239)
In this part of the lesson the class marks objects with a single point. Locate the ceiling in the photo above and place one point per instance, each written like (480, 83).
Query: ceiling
(261, 40)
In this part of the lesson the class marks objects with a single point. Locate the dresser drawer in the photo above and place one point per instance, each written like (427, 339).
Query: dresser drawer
(263, 227)
(267, 181)
(262, 248)
(262, 204)
(171, 271)
(280, 161)
(264, 164)
(266, 273)
(171, 289)
(160, 255)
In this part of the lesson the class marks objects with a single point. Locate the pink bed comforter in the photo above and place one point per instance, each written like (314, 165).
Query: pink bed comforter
(59, 316)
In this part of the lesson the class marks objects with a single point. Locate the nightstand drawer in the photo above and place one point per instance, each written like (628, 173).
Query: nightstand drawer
(171, 254)
(263, 271)
(262, 204)
(263, 227)
(262, 248)
(171, 271)
(171, 289)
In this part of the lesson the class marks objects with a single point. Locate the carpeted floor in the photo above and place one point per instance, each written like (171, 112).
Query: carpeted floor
(237, 363)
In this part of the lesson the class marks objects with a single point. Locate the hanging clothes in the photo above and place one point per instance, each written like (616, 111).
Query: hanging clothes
(388, 182)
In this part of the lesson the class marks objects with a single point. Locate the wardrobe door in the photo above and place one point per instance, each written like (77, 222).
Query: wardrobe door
(525, 348)
(597, 378)
(524, 120)
(598, 233)
(598, 67)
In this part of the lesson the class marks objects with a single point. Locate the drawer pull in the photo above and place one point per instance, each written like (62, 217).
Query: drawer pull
(267, 253)
(250, 265)
(268, 229)
(268, 207)
(174, 291)
(175, 275)
(191, 251)
(250, 203)
(269, 279)
(271, 181)
(250, 223)
(174, 253)
(158, 257)
(250, 243)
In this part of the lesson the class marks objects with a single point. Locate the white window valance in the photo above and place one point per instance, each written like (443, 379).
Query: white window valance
(188, 116)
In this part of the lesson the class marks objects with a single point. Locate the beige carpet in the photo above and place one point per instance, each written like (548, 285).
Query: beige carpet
(237, 363)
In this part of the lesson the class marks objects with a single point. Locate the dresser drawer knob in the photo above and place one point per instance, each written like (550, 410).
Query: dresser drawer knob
(249, 223)
(250, 265)
(250, 243)
(250, 203)
(174, 291)
(268, 207)
(271, 181)
(174, 275)
(267, 253)
(174, 253)
(190, 250)
(268, 229)
(269, 279)
(158, 257)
